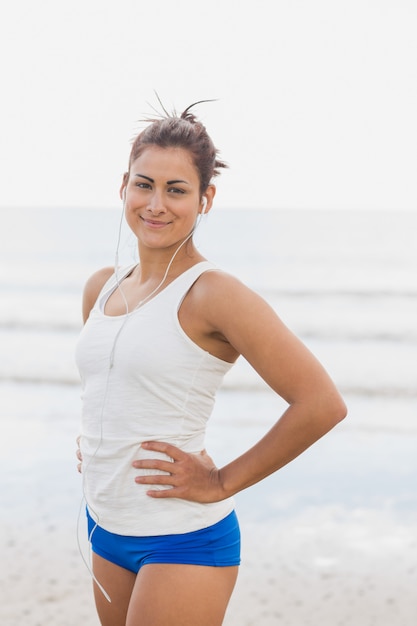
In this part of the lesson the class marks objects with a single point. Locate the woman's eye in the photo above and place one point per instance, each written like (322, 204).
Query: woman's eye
(175, 190)
(143, 185)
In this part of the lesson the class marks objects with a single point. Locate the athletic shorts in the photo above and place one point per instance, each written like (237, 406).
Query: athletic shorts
(217, 545)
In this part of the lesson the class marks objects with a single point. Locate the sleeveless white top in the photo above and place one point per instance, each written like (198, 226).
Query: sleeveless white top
(144, 379)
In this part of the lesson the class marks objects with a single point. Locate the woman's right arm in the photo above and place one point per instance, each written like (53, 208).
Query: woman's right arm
(92, 289)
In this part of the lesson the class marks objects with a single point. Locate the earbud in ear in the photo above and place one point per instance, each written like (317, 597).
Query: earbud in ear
(203, 210)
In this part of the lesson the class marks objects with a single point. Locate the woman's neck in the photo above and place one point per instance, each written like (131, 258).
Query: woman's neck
(155, 264)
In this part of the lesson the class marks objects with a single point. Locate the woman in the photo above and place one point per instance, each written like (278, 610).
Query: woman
(158, 340)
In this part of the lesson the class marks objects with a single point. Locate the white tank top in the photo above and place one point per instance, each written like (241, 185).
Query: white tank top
(161, 386)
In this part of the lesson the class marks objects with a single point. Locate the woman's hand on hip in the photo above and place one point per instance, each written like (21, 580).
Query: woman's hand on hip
(190, 476)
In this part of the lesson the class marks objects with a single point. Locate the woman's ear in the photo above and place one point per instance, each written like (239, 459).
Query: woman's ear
(122, 191)
(207, 199)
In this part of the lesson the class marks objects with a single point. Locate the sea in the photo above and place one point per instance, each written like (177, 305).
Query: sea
(344, 281)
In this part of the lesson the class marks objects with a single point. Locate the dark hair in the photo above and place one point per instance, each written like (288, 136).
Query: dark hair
(183, 131)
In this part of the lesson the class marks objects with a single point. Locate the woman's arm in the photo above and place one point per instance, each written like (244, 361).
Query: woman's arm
(253, 329)
(290, 369)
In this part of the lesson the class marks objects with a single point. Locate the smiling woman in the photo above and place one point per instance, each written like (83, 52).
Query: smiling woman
(159, 337)
(168, 202)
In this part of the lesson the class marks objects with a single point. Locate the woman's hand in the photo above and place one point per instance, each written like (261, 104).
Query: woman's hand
(190, 476)
(78, 454)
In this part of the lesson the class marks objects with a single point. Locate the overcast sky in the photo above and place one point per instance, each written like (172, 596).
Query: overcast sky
(316, 99)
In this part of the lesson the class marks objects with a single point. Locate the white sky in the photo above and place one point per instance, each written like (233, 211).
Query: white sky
(317, 99)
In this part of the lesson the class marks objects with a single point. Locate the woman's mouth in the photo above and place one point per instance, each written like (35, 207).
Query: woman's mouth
(154, 223)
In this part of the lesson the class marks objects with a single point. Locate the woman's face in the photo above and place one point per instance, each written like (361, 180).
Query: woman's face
(162, 196)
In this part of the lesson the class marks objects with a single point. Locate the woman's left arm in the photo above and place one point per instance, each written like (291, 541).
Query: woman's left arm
(315, 406)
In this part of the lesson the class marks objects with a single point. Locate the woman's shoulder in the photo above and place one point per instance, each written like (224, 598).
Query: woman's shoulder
(224, 298)
(216, 279)
(96, 281)
(93, 286)
(218, 290)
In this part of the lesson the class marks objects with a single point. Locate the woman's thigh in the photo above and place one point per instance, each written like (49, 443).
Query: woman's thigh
(118, 583)
(181, 595)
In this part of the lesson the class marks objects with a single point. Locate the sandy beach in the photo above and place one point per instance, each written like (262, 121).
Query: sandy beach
(325, 567)
(329, 540)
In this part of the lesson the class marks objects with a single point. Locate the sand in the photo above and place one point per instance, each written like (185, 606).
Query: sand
(324, 567)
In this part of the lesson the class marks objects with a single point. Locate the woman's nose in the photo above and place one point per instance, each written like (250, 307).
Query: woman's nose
(156, 205)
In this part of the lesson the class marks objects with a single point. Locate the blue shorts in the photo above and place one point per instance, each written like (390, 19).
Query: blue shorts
(217, 545)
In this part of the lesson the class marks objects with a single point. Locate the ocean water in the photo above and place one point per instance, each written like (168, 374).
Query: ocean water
(345, 282)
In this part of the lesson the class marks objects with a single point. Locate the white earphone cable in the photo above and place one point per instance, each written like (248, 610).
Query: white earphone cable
(128, 314)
